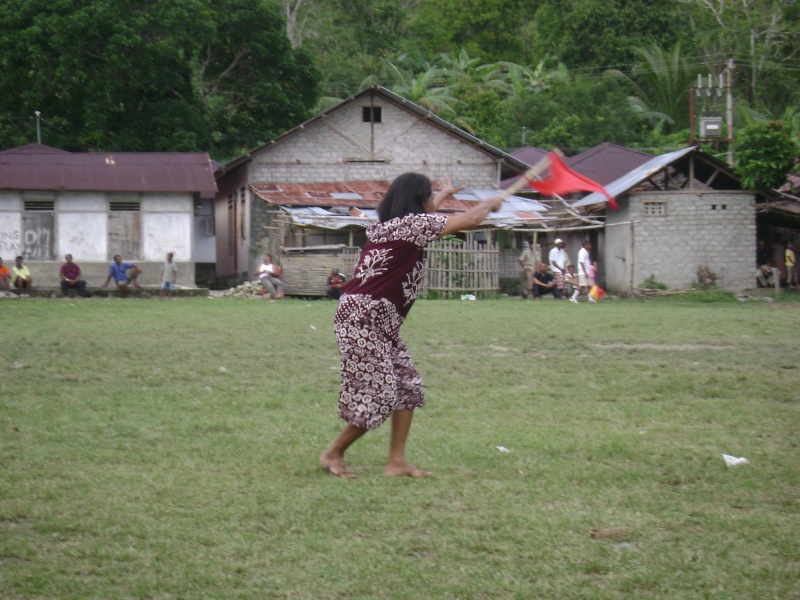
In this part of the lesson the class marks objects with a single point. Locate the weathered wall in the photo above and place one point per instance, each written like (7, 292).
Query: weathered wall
(231, 250)
(675, 232)
(78, 224)
(205, 249)
(617, 257)
(341, 147)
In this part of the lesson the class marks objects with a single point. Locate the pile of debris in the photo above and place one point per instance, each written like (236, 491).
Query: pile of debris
(249, 289)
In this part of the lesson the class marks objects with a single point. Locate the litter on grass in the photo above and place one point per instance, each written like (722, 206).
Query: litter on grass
(732, 461)
(502, 449)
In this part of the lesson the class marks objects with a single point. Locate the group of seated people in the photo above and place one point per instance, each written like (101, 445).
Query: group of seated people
(544, 282)
(124, 275)
(18, 277)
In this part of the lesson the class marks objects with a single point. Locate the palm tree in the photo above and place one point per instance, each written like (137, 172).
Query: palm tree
(660, 85)
(517, 81)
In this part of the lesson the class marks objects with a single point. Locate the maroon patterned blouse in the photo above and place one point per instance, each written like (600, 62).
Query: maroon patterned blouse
(390, 265)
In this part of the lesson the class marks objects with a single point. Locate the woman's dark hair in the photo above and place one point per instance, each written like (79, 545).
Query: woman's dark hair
(406, 196)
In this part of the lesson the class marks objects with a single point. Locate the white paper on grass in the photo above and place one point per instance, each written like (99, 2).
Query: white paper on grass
(732, 461)
(502, 449)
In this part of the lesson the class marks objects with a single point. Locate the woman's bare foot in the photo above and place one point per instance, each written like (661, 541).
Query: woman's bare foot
(405, 470)
(335, 466)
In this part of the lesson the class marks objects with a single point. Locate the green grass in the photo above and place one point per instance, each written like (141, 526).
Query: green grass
(170, 450)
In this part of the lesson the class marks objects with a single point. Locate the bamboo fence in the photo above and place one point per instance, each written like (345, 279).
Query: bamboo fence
(451, 268)
(306, 270)
(454, 267)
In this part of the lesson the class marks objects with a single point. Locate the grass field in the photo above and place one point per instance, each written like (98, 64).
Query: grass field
(170, 450)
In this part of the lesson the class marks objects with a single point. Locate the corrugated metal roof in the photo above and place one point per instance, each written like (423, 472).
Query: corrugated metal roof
(324, 219)
(633, 178)
(305, 202)
(108, 171)
(361, 194)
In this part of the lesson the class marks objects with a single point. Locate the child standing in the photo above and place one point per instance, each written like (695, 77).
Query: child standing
(570, 281)
(791, 265)
(169, 273)
(378, 377)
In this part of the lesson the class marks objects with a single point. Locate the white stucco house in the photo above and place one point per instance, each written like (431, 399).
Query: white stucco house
(96, 205)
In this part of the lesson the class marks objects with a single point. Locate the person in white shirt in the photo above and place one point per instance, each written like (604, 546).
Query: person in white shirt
(558, 264)
(584, 273)
(169, 274)
(270, 277)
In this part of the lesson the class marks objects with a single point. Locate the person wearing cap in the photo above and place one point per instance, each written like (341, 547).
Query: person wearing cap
(558, 265)
(527, 260)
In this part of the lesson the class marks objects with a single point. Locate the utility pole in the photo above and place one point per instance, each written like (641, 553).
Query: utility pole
(729, 76)
(38, 127)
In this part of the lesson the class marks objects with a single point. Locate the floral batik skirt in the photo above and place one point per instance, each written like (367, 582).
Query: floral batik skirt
(378, 376)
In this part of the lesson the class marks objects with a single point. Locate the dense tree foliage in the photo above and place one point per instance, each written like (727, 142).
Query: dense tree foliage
(150, 74)
(224, 75)
(604, 34)
(765, 154)
(490, 28)
(573, 115)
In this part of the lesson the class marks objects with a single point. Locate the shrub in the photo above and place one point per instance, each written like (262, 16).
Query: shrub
(651, 283)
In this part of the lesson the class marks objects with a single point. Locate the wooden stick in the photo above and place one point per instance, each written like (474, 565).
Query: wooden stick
(523, 179)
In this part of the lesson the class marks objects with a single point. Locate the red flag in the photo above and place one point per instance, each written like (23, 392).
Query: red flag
(563, 180)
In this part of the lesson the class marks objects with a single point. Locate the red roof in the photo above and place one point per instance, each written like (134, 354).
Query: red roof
(607, 162)
(37, 167)
(603, 163)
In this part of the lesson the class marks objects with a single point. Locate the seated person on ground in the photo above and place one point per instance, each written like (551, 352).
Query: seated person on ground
(119, 271)
(335, 282)
(21, 277)
(570, 281)
(70, 275)
(5, 276)
(764, 273)
(270, 277)
(544, 283)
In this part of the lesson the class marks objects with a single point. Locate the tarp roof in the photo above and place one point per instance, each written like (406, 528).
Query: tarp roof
(37, 167)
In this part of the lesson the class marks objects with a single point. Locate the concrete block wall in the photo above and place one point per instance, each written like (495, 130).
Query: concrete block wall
(713, 228)
(341, 147)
